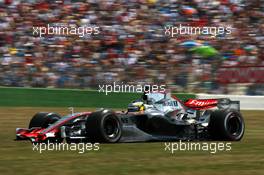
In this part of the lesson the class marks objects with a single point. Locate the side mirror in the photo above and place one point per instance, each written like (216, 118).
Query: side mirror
(144, 96)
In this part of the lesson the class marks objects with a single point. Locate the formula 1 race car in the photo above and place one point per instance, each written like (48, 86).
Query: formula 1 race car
(154, 117)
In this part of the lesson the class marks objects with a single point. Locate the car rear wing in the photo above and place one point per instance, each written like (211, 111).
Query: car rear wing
(226, 103)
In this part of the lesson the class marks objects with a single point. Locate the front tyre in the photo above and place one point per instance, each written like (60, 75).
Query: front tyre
(226, 125)
(43, 119)
(103, 126)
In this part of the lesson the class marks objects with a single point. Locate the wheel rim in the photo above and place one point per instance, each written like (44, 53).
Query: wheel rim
(234, 125)
(111, 127)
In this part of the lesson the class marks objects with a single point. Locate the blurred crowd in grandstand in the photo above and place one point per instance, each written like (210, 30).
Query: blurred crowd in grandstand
(131, 47)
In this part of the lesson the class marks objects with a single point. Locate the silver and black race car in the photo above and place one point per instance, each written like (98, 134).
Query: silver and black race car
(154, 117)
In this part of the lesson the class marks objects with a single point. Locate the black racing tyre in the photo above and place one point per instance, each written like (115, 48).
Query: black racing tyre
(43, 119)
(104, 127)
(226, 125)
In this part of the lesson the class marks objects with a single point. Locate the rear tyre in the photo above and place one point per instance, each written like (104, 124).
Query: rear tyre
(226, 125)
(43, 119)
(103, 126)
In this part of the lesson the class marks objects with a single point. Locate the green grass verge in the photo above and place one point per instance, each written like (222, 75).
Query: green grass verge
(245, 158)
(37, 97)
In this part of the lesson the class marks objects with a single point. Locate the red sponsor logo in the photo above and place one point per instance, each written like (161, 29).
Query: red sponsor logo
(201, 103)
